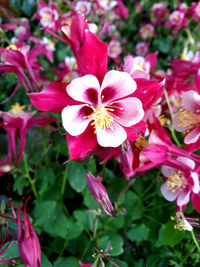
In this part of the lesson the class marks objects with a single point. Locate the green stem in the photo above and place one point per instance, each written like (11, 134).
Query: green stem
(31, 181)
(195, 241)
(64, 181)
(172, 116)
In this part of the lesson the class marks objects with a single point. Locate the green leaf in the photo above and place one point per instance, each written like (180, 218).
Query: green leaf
(170, 235)
(46, 177)
(28, 7)
(44, 261)
(51, 217)
(116, 243)
(138, 233)
(19, 184)
(133, 205)
(12, 251)
(69, 261)
(76, 176)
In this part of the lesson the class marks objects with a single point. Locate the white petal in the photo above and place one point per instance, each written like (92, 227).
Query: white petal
(188, 162)
(183, 198)
(111, 138)
(84, 89)
(117, 84)
(168, 194)
(73, 120)
(195, 178)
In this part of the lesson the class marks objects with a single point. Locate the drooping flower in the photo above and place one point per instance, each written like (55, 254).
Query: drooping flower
(99, 193)
(107, 108)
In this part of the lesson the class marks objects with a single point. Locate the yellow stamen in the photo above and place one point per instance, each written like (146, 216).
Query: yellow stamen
(46, 17)
(181, 222)
(176, 181)
(12, 46)
(101, 119)
(16, 109)
(141, 142)
(187, 119)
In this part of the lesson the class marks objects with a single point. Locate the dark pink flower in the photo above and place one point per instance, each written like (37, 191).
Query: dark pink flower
(99, 193)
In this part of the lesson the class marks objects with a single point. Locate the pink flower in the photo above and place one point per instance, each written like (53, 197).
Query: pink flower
(189, 118)
(18, 122)
(114, 50)
(47, 14)
(107, 108)
(182, 180)
(99, 193)
(28, 242)
(140, 67)
(177, 20)
(141, 49)
(146, 31)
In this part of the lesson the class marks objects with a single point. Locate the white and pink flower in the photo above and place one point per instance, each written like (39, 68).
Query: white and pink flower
(181, 181)
(106, 107)
(188, 119)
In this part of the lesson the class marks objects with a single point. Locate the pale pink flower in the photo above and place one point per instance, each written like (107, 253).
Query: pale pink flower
(137, 67)
(84, 7)
(181, 181)
(105, 107)
(188, 119)
(146, 31)
(114, 49)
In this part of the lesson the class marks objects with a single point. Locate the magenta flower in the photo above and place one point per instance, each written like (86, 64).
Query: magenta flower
(86, 264)
(181, 181)
(28, 242)
(99, 193)
(107, 108)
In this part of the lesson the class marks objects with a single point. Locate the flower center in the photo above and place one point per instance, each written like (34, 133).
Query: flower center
(47, 17)
(187, 119)
(176, 181)
(141, 142)
(17, 110)
(101, 118)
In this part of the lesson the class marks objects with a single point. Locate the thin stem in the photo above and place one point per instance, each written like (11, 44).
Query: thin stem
(31, 181)
(123, 192)
(172, 117)
(108, 258)
(195, 241)
(64, 181)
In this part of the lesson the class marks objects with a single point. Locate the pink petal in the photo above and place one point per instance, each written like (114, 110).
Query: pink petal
(191, 101)
(73, 119)
(168, 194)
(195, 199)
(84, 89)
(188, 162)
(77, 150)
(52, 98)
(130, 111)
(176, 123)
(192, 136)
(183, 198)
(166, 170)
(111, 138)
(117, 84)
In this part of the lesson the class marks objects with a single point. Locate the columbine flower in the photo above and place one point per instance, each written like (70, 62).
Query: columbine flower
(28, 243)
(99, 193)
(107, 108)
(47, 14)
(189, 118)
(181, 181)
